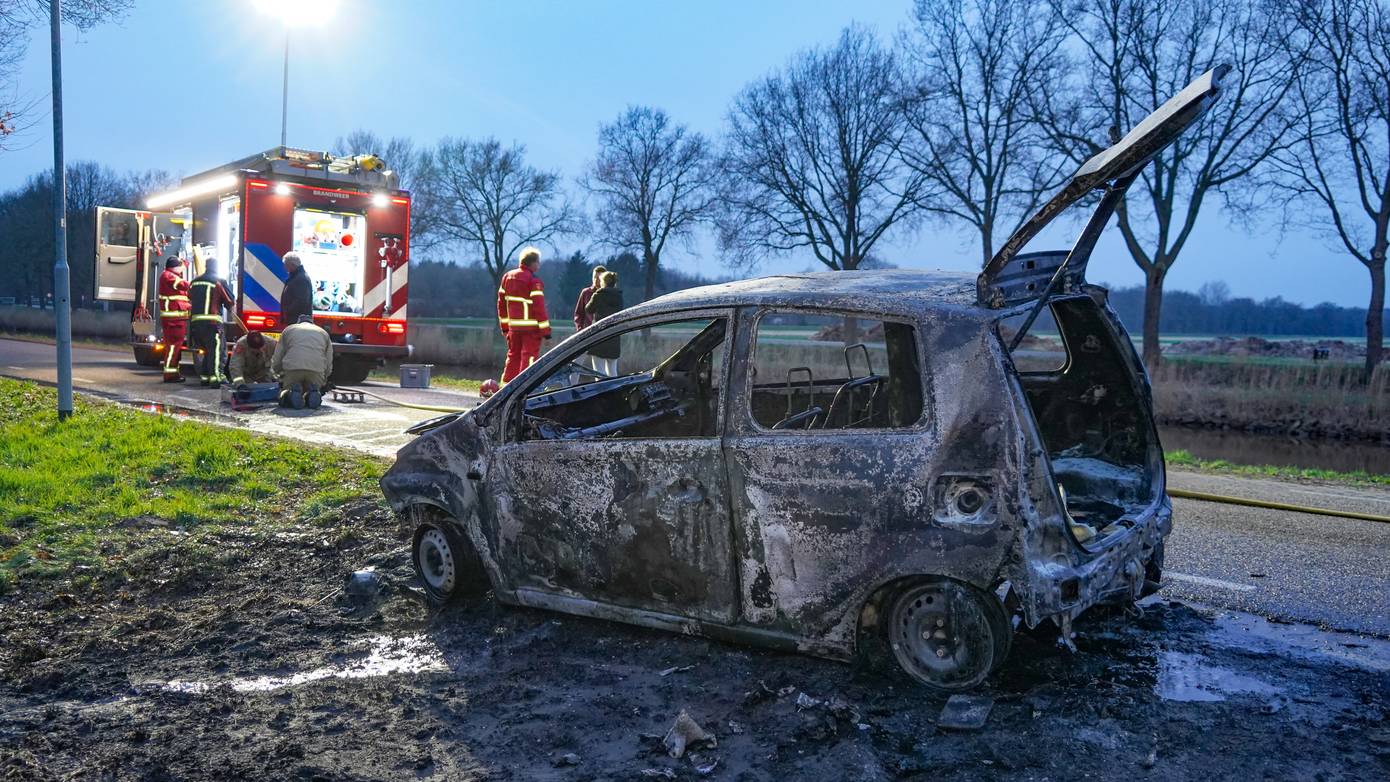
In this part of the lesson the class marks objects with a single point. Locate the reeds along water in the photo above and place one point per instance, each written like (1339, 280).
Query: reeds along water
(1324, 399)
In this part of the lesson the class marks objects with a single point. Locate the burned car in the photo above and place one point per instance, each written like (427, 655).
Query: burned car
(908, 461)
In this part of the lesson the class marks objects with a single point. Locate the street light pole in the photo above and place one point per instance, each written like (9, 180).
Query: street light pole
(61, 281)
(285, 92)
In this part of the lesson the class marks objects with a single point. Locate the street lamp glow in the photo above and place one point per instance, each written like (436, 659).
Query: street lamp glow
(294, 13)
(299, 13)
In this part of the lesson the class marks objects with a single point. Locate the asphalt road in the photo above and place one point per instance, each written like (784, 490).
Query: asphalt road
(1298, 567)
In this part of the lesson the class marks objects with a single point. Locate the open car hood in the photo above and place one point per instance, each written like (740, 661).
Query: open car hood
(1011, 277)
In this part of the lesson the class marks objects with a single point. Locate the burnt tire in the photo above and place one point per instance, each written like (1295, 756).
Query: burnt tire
(446, 564)
(947, 635)
(145, 356)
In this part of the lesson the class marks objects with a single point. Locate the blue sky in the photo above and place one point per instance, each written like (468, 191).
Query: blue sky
(186, 86)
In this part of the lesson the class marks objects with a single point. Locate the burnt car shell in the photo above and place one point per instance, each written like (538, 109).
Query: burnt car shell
(811, 539)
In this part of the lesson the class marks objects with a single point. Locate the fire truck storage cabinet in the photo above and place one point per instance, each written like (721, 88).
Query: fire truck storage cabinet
(343, 216)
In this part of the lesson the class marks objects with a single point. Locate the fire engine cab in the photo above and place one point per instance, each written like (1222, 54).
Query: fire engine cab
(344, 216)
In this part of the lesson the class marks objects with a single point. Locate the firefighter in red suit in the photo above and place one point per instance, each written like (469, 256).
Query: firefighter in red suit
(521, 313)
(174, 307)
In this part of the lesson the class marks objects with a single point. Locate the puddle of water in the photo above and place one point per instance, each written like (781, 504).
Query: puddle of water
(1190, 678)
(386, 656)
(1247, 631)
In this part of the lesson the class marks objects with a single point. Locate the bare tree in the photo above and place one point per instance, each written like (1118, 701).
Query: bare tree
(814, 157)
(411, 166)
(17, 19)
(488, 197)
(1135, 54)
(1339, 158)
(654, 181)
(399, 153)
(975, 140)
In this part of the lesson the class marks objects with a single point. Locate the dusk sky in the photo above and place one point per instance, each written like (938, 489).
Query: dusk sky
(185, 86)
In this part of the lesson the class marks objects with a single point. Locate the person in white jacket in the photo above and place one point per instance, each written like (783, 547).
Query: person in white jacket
(303, 361)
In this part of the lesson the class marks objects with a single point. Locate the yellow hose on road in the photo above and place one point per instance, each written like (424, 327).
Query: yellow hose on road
(427, 408)
(1345, 514)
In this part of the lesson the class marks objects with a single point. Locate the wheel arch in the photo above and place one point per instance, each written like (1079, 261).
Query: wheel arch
(869, 625)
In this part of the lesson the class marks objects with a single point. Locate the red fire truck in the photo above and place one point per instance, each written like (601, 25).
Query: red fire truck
(344, 216)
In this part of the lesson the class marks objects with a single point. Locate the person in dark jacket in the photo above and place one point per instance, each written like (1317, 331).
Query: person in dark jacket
(606, 301)
(582, 320)
(297, 299)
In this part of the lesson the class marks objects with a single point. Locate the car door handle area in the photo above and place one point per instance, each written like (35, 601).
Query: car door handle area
(474, 475)
(687, 491)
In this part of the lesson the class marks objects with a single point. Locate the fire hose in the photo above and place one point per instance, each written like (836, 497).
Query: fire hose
(1284, 506)
(428, 408)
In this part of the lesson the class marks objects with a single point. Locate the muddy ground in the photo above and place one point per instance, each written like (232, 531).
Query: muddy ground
(267, 671)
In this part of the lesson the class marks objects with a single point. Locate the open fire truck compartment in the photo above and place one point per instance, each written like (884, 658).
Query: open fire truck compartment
(344, 216)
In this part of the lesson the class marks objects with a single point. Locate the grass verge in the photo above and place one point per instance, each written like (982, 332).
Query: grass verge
(1187, 461)
(96, 497)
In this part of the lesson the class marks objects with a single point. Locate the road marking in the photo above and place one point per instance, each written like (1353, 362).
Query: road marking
(1211, 582)
(83, 379)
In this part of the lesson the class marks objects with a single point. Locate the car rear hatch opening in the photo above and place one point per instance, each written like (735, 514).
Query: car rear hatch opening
(1084, 389)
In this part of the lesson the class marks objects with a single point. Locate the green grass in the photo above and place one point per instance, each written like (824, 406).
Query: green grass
(1188, 461)
(96, 495)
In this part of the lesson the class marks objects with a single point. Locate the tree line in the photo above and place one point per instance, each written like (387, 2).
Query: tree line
(968, 118)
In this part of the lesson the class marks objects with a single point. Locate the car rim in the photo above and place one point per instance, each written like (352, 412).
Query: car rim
(437, 561)
(942, 636)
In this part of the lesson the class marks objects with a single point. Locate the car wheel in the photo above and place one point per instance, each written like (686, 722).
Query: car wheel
(145, 356)
(948, 635)
(446, 564)
(348, 372)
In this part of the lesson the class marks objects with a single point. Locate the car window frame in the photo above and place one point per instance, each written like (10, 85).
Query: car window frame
(1061, 334)
(751, 322)
(515, 404)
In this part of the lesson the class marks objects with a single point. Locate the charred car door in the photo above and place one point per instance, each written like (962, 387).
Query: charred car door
(612, 489)
(832, 467)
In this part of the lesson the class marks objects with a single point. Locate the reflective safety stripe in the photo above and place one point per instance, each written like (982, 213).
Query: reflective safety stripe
(524, 322)
(207, 317)
(180, 314)
(545, 324)
(534, 294)
(521, 299)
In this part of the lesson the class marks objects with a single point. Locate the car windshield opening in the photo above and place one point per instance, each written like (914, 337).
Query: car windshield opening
(674, 392)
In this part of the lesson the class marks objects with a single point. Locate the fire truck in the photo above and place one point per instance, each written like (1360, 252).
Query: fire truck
(344, 216)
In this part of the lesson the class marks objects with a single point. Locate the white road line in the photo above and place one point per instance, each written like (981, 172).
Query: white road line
(1211, 582)
(83, 379)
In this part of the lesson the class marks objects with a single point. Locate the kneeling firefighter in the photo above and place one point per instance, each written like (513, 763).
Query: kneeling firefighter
(251, 357)
(303, 361)
(210, 298)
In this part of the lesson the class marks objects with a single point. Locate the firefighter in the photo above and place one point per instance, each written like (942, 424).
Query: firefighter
(251, 357)
(173, 317)
(209, 297)
(303, 360)
(521, 313)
